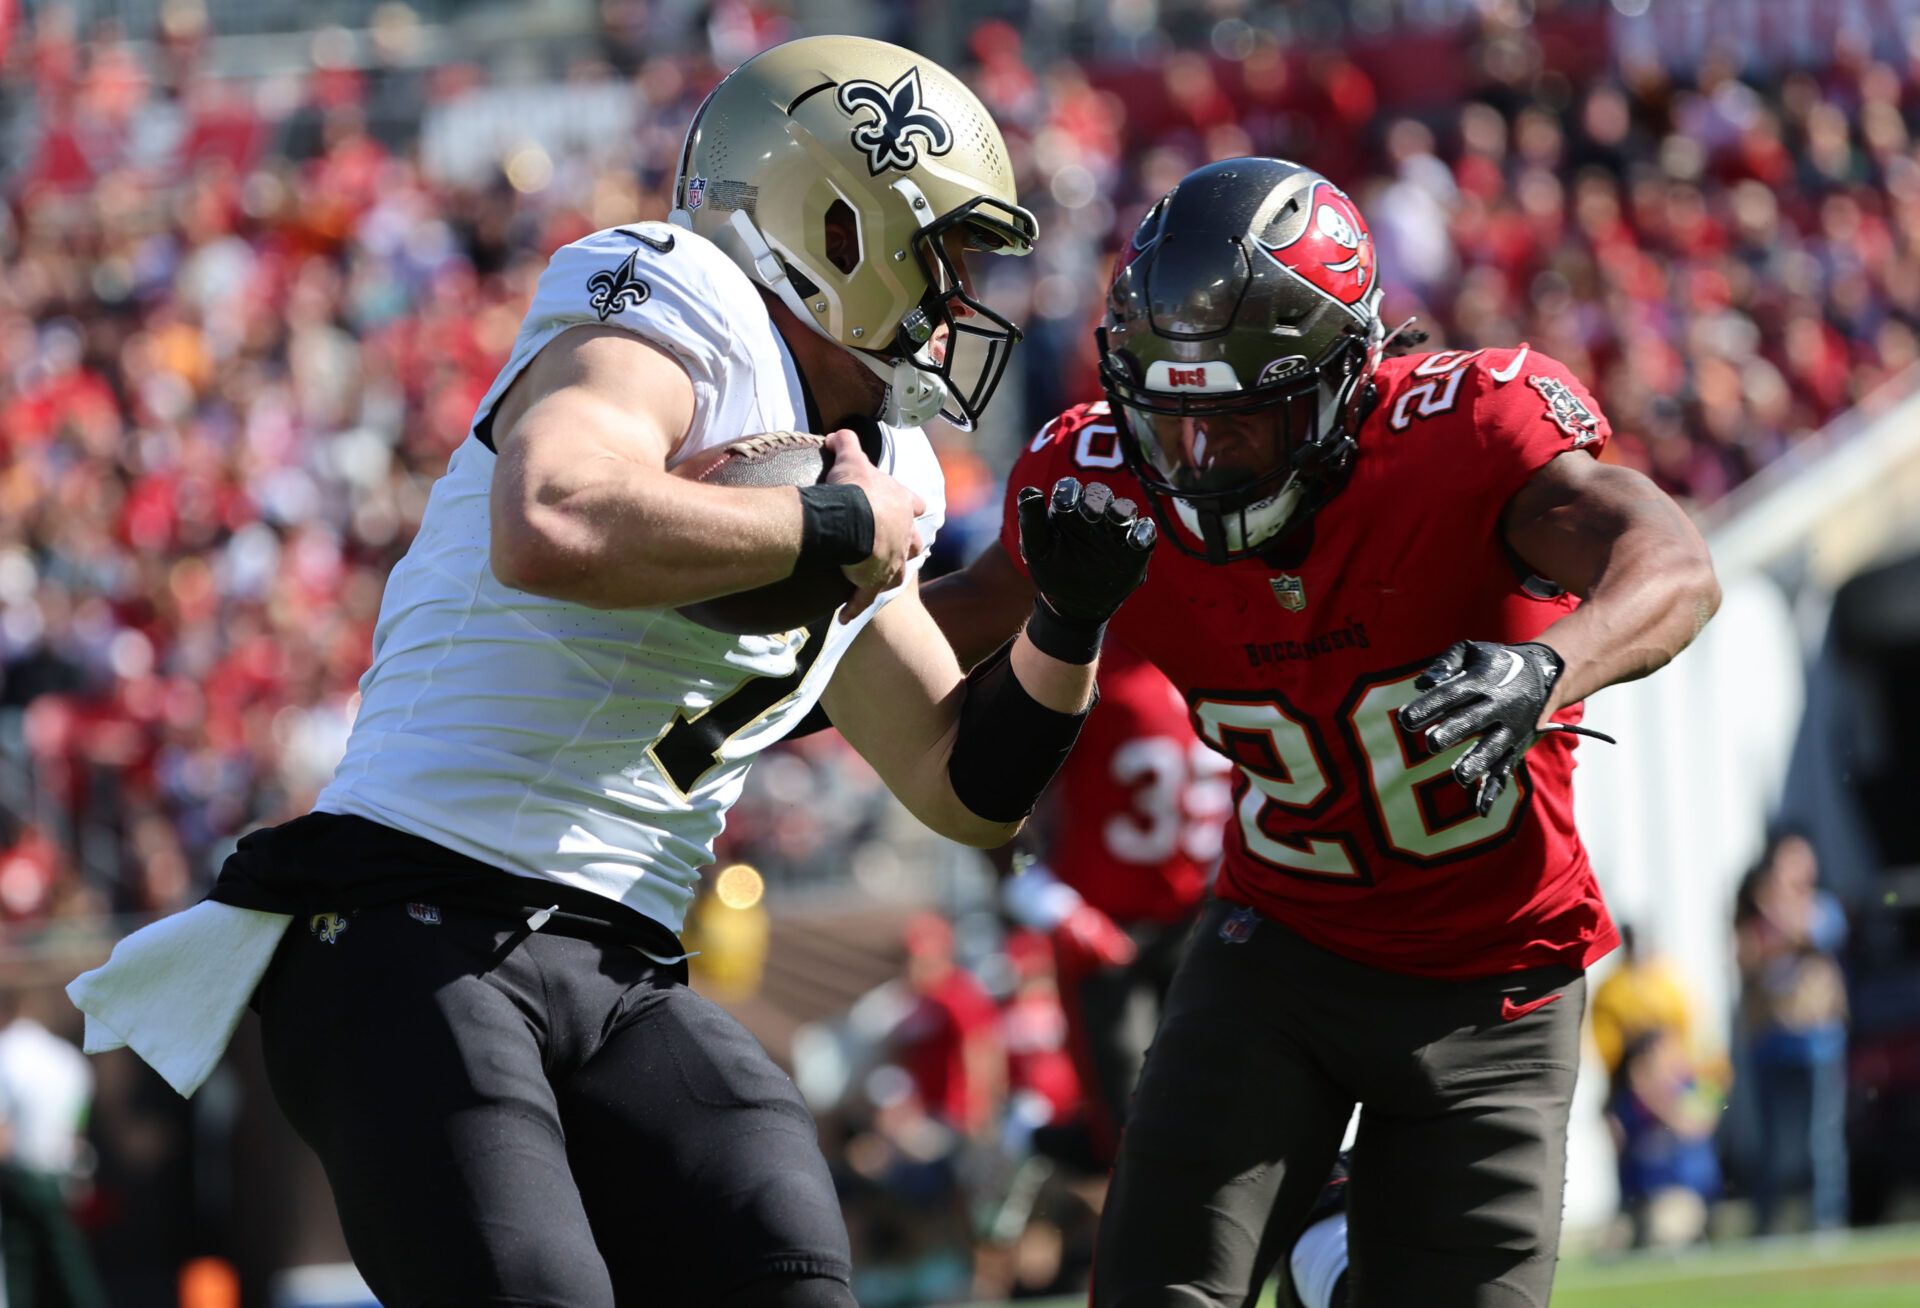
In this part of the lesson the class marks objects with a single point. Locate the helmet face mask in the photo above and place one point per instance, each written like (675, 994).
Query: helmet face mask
(951, 334)
(1240, 339)
(828, 135)
(1241, 470)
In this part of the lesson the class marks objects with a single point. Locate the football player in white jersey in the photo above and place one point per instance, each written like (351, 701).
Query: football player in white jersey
(480, 1022)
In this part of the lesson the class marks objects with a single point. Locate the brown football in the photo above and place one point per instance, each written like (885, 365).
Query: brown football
(778, 458)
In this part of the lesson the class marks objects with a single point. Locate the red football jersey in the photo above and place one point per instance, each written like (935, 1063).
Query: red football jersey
(1343, 827)
(1138, 807)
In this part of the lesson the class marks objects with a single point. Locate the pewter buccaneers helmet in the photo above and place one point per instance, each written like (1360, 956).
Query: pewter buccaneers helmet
(847, 128)
(1248, 294)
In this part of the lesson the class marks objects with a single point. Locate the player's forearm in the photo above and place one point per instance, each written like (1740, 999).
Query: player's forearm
(1061, 686)
(1612, 537)
(619, 535)
(899, 698)
(1654, 591)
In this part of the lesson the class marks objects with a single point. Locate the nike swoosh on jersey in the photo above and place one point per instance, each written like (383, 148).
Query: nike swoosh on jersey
(1512, 370)
(1510, 1011)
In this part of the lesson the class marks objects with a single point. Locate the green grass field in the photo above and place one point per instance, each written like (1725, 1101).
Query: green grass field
(1874, 1270)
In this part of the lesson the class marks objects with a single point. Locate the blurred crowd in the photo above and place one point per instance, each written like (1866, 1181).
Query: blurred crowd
(243, 321)
(1764, 1114)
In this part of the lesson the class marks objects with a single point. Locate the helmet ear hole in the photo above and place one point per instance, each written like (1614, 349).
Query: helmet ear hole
(843, 236)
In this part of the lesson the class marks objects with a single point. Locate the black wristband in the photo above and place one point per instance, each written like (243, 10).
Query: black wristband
(1064, 639)
(836, 526)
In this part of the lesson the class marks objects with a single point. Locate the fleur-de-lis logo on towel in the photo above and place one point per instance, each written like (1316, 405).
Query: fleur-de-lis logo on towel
(900, 126)
(615, 289)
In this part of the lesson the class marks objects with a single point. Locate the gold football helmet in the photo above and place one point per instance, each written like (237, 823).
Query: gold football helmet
(841, 130)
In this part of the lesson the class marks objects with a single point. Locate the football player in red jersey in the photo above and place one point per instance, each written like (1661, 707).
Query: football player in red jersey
(1129, 835)
(1395, 580)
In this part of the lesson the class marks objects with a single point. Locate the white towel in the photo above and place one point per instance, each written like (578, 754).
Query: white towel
(173, 992)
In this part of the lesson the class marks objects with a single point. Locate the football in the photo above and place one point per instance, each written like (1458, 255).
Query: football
(779, 458)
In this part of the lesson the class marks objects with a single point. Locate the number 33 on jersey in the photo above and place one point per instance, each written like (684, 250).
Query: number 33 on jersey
(1343, 827)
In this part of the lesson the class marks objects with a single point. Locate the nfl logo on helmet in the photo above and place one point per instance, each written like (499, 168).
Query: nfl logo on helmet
(696, 193)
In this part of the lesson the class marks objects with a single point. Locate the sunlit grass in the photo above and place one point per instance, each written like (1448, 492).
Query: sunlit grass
(1879, 1269)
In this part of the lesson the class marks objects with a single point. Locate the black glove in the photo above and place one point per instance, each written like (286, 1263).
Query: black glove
(1086, 552)
(1493, 691)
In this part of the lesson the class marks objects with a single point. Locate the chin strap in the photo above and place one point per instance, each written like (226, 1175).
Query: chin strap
(914, 395)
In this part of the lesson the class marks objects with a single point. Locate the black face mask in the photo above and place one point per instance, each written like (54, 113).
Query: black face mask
(979, 345)
(1317, 450)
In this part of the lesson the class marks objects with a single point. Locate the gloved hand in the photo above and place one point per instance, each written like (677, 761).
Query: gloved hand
(1496, 692)
(1086, 552)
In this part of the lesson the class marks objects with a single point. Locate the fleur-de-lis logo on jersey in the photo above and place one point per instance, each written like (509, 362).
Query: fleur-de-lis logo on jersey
(613, 289)
(900, 126)
(327, 928)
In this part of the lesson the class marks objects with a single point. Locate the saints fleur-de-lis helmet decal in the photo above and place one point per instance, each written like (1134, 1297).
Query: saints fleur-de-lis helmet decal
(848, 176)
(900, 126)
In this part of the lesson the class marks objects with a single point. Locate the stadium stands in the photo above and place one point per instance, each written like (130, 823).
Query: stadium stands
(244, 321)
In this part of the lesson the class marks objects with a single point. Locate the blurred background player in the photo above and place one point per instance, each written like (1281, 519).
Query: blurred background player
(1792, 1032)
(1128, 837)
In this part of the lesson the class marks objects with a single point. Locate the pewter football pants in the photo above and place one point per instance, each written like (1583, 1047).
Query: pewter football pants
(1267, 1043)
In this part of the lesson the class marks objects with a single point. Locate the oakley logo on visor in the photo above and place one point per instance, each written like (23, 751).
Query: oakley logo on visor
(1205, 378)
(1279, 368)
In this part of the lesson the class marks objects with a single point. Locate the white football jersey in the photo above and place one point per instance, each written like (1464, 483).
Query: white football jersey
(601, 748)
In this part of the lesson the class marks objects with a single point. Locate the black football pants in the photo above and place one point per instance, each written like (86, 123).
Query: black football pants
(1267, 1044)
(537, 1120)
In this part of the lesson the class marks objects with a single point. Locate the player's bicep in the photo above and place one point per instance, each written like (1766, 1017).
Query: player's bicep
(980, 607)
(596, 404)
(896, 697)
(896, 691)
(1567, 520)
(597, 388)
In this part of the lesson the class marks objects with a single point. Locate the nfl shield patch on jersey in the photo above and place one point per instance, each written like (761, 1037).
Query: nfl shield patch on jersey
(1239, 926)
(1290, 591)
(1568, 411)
